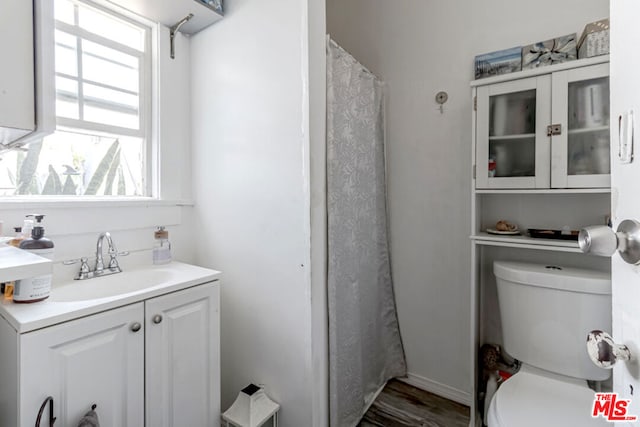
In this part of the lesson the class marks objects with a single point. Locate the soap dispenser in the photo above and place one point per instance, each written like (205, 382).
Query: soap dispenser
(162, 247)
(35, 288)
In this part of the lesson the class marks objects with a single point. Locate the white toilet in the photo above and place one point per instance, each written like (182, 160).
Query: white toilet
(546, 314)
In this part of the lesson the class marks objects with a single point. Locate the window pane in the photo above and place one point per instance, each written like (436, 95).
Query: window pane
(110, 107)
(68, 163)
(66, 54)
(114, 70)
(64, 11)
(109, 98)
(113, 55)
(97, 114)
(67, 98)
(111, 28)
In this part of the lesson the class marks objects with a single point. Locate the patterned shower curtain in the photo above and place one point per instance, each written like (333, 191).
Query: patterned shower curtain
(365, 349)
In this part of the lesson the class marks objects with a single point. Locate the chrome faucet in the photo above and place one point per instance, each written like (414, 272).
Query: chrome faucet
(113, 253)
(112, 268)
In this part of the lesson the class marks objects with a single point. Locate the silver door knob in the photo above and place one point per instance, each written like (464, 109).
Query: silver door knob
(157, 319)
(604, 352)
(135, 327)
(603, 241)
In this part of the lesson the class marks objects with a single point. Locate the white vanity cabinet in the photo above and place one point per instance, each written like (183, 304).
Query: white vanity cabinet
(544, 128)
(154, 362)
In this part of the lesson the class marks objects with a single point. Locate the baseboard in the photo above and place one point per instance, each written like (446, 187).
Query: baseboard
(440, 389)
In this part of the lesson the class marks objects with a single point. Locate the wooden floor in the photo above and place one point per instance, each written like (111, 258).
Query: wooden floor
(400, 405)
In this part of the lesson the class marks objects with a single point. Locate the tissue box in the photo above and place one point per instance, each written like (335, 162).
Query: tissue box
(594, 40)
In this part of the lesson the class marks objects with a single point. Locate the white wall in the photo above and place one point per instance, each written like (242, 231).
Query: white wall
(420, 48)
(250, 128)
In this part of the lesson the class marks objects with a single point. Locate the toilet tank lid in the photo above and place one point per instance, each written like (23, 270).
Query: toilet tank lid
(554, 276)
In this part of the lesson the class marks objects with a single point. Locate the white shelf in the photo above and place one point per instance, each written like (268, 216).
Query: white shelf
(16, 264)
(169, 12)
(545, 191)
(515, 136)
(588, 130)
(526, 242)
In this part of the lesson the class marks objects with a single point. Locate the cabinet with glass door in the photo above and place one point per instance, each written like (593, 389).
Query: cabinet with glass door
(546, 129)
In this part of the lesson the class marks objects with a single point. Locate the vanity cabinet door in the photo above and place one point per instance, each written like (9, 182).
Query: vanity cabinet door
(183, 358)
(97, 359)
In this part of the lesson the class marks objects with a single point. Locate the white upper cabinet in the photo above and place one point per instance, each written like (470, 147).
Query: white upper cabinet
(170, 12)
(27, 92)
(17, 85)
(549, 130)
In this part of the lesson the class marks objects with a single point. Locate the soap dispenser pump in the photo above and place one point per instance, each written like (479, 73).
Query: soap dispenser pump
(35, 288)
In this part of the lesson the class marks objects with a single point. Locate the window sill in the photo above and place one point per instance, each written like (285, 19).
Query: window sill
(38, 202)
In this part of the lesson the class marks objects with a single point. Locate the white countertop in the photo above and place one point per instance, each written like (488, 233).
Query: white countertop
(85, 297)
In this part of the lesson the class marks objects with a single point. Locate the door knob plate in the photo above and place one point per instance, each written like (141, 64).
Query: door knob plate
(629, 241)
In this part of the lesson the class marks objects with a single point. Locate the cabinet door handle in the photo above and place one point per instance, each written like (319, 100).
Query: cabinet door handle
(157, 318)
(136, 327)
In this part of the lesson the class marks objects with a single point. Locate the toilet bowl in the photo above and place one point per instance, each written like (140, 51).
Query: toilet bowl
(532, 399)
(546, 314)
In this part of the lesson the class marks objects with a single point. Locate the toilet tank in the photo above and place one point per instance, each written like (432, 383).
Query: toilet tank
(547, 312)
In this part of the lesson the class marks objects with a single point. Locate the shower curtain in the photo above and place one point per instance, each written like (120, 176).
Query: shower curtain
(365, 349)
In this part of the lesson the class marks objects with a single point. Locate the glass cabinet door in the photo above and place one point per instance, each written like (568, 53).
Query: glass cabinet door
(580, 154)
(509, 153)
(512, 136)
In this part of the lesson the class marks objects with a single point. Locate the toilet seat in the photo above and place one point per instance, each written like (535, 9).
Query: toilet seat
(532, 400)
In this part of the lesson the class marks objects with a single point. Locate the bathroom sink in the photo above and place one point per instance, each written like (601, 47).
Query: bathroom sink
(124, 283)
(72, 299)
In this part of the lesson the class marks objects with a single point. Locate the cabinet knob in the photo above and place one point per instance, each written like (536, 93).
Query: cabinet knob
(135, 327)
(157, 318)
(603, 352)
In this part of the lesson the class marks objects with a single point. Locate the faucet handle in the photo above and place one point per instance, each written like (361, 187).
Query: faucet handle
(84, 267)
(84, 263)
(113, 261)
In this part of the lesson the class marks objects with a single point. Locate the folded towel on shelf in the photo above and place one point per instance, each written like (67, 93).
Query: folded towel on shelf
(90, 419)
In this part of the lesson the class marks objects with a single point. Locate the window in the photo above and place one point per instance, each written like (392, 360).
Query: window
(101, 145)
